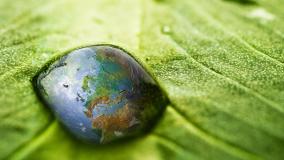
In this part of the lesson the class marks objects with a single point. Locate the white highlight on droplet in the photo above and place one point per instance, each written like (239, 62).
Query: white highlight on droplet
(261, 14)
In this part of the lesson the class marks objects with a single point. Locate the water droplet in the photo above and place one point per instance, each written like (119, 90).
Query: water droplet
(262, 15)
(166, 29)
(110, 97)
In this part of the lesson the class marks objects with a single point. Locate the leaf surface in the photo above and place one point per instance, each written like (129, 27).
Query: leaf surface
(221, 63)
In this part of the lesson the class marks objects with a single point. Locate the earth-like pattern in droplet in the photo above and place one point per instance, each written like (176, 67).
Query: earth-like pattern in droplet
(101, 94)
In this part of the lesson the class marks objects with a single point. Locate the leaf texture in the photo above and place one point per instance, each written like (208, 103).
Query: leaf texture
(221, 63)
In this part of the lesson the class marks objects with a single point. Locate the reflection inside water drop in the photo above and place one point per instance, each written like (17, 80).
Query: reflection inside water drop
(101, 94)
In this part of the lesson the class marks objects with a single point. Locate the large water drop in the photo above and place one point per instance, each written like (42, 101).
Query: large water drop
(100, 94)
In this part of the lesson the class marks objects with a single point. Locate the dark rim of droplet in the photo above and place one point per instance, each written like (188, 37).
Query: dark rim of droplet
(126, 139)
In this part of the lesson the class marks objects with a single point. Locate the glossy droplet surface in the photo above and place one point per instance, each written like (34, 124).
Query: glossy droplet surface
(101, 94)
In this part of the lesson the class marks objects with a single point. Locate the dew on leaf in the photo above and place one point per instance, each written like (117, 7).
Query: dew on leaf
(261, 15)
(166, 29)
(109, 97)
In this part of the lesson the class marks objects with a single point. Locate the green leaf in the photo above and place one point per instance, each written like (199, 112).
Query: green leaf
(221, 64)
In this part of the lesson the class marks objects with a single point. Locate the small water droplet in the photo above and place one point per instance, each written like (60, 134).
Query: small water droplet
(166, 29)
(111, 96)
(262, 15)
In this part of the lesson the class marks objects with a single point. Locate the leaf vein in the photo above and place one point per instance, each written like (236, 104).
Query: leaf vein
(234, 82)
